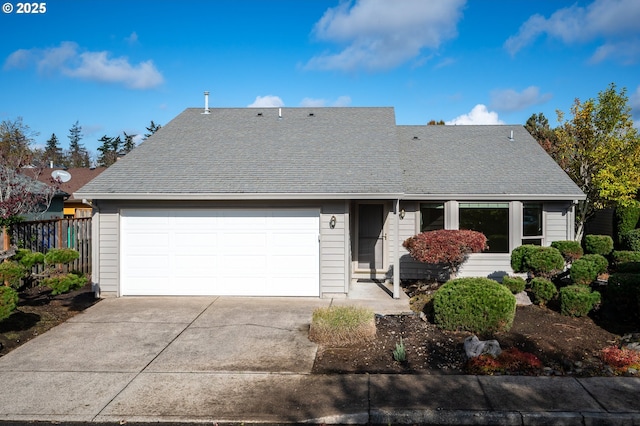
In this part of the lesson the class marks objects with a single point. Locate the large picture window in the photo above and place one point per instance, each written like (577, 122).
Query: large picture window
(431, 216)
(492, 219)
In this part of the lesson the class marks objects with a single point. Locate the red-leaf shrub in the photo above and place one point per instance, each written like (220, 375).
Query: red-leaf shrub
(621, 359)
(510, 361)
(445, 246)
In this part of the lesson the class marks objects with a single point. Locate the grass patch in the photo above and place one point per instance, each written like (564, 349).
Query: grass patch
(342, 325)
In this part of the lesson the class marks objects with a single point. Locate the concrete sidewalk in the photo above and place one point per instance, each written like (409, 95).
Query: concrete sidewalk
(248, 360)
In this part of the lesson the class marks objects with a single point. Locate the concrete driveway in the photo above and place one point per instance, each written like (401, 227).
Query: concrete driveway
(126, 349)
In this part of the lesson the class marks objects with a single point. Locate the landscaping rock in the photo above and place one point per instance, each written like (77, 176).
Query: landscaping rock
(474, 347)
(631, 341)
(522, 299)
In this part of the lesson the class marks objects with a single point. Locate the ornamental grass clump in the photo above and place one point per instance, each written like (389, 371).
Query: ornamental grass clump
(478, 305)
(577, 300)
(342, 325)
(449, 247)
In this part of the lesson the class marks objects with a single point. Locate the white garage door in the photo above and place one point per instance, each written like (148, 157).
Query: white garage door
(242, 252)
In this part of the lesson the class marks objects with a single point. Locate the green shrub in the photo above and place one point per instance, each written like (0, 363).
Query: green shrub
(631, 240)
(626, 219)
(514, 284)
(29, 258)
(542, 290)
(577, 300)
(583, 272)
(64, 283)
(8, 301)
(544, 261)
(478, 305)
(569, 249)
(598, 244)
(518, 257)
(340, 325)
(624, 256)
(12, 272)
(623, 293)
(599, 261)
(63, 256)
(629, 267)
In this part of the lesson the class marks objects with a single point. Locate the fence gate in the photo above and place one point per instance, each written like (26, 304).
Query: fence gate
(42, 235)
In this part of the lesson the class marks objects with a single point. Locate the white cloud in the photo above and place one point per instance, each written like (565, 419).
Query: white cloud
(132, 38)
(67, 60)
(478, 115)
(341, 101)
(381, 34)
(266, 102)
(614, 21)
(510, 100)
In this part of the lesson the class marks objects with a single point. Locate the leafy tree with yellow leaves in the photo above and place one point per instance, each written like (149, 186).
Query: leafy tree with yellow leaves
(600, 150)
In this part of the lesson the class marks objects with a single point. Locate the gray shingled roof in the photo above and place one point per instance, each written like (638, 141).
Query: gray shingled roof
(467, 161)
(329, 153)
(252, 151)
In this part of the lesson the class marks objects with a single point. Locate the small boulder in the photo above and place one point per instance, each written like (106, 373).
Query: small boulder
(523, 299)
(474, 347)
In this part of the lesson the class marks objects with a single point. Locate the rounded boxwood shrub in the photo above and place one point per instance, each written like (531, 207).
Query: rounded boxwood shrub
(583, 271)
(518, 256)
(625, 256)
(478, 305)
(598, 244)
(631, 240)
(542, 290)
(514, 284)
(601, 263)
(8, 301)
(544, 261)
(569, 249)
(577, 300)
(623, 293)
(629, 267)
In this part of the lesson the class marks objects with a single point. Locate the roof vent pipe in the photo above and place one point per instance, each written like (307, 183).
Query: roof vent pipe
(511, 136)
(206, 102)
(279, 113)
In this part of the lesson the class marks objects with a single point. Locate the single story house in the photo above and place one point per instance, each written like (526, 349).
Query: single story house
(301, 201)
(70, 180)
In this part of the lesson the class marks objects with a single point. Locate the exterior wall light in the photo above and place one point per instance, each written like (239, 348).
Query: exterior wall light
(402, 213)
(332, 222)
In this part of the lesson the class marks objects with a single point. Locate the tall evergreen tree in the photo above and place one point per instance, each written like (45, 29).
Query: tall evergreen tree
(53, 152)
(153, 127)
(128, 143)
(108, 151)
(78, 155)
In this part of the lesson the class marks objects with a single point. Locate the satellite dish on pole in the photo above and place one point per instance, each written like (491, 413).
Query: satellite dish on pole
(62, 175)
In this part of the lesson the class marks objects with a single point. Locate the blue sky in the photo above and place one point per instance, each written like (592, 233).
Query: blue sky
(115, 65)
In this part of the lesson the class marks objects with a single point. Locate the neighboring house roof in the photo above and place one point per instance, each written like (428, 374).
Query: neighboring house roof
(480, 161)
(245, 153)
(79, 177)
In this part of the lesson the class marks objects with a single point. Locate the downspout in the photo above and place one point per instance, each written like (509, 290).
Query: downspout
(396, 258)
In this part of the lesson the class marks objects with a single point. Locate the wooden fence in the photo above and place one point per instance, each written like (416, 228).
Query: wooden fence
(42, 235)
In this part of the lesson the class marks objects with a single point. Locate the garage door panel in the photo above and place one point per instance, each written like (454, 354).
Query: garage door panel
(249, 252)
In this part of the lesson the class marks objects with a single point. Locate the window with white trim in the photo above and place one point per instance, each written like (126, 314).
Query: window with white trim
(492, 219)
(532, 229)
(431, 216)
